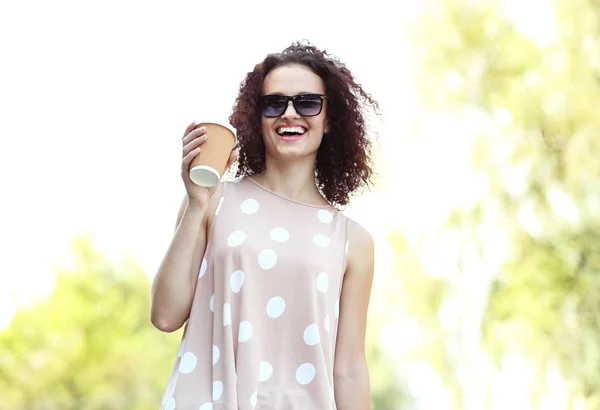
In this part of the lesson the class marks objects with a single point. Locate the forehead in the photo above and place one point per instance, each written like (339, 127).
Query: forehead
(293, 79)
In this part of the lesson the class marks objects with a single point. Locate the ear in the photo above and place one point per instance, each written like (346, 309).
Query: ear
(326, 127)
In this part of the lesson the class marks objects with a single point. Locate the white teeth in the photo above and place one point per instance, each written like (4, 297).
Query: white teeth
(297, 130)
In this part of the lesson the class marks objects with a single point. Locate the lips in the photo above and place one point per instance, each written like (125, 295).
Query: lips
(290, 132)
(291, 137)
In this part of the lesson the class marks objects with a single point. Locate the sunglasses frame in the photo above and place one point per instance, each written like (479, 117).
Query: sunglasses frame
(292, 98)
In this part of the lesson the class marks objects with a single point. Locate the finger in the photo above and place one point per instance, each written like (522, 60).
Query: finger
(193, 134)
(190, 156)
(196, 142)
(190, 128)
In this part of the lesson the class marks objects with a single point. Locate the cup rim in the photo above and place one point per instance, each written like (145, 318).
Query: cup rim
(209, 178)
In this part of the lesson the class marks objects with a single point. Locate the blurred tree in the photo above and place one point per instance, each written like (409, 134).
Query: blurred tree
(422, 295)
(386, 393)
(531, 76)
(90, 345)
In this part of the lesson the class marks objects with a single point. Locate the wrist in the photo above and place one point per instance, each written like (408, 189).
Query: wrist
(196, 205)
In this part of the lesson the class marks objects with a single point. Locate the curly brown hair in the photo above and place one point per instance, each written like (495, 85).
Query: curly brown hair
(343, 163)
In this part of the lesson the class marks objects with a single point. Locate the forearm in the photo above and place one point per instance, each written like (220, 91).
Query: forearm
(352, 388)
(174, 284)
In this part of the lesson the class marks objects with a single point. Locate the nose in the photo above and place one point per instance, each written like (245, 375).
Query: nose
(290, 111)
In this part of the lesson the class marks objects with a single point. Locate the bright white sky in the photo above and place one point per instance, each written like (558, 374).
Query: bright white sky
(94, 97)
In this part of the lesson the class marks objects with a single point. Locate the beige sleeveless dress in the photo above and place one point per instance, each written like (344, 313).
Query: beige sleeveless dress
(262, 328)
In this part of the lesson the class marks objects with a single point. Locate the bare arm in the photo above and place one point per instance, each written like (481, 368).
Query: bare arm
(174, 285)
(350, 372)
(175, 282)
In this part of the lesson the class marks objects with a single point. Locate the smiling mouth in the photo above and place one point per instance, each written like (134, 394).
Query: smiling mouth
(291, 132)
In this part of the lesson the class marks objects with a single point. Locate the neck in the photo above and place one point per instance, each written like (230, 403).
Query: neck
(294, 180)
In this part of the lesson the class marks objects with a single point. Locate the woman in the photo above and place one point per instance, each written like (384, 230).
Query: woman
(271, 280)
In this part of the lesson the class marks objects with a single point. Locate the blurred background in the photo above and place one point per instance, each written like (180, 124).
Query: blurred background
(485, 212)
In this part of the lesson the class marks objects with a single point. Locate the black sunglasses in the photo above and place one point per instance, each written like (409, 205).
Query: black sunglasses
(307, 105)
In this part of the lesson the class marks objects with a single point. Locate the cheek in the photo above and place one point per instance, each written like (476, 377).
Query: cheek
(265, 124)
(319, 123)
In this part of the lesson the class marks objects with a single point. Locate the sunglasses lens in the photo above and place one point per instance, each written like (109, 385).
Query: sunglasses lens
(272, 105)
(308, 105)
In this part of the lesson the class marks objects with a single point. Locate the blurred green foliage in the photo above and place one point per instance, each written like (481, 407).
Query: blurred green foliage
(535, 82)
(90, 345)
(386, 392)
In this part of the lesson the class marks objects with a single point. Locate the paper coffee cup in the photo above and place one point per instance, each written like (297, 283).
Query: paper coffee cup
(208, 166)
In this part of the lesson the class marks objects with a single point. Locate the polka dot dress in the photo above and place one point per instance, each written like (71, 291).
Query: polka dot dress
(262, 329)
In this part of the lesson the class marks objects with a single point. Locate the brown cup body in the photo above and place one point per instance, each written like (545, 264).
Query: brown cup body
(208, 167)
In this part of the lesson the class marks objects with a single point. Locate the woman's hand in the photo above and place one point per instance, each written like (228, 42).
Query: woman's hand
(193, 138)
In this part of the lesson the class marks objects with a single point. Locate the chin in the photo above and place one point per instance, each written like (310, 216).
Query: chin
(290, 153)
(292, 149)
(293, 152)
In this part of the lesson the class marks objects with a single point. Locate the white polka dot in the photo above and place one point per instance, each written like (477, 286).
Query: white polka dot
(217, 390)
(219, 205)
(321, 240)
(253, 399)
(267, 259)
(325, 216)
(326, 323)
(305, 373)
(347, 243)
(188, 363)
(180, 352)
(226, 314)
(212, 303)
(266, 371)
(280, 235)
(337, 309)
(249, 206)
(311, 334)
(237, 280)
(245, 332)
(216, 354)
(170, 404)
(203, 268)
(275, 307)
(236, 239)
(206, 406)
(322, 282)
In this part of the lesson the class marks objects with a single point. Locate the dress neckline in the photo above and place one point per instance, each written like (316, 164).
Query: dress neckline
(285, 198)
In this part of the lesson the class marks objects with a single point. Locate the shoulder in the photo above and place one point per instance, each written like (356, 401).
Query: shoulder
(361, 248)
(359, 234)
